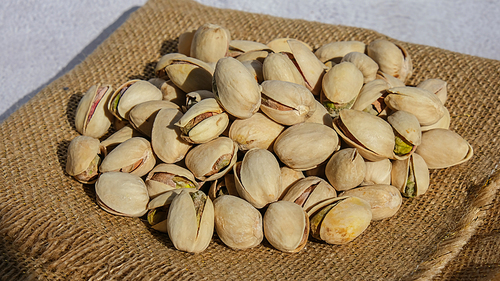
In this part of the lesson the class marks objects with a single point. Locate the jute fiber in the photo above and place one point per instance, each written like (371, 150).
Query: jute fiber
(52, 229)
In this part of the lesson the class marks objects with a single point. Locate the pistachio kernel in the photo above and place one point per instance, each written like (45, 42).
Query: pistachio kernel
(401, 147)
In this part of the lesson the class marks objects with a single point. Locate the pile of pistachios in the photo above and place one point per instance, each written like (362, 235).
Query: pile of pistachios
(261, 140)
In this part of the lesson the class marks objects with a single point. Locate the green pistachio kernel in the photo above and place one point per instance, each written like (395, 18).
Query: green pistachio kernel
(401, 147)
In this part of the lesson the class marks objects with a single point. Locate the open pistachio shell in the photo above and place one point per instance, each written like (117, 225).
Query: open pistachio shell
(278, 66)
(185, 40)
(190, 74)
(210, 43)
(286, 103)
(286, 226)
(123, 134)
(385, 200)
(92, 117)
(337, 50)
(83, 159)
(238, 224)
(142, 116)
(371, 98)
(346, 169)
(131, 94)
(165, 177)
(378, 172)
(165, 61)
(443, 148)
(311, 68)
(133, 156)
(407, 132)
(308, 191)
(190, 221)
(212, 160)
(122, 194)
(410, 176)
(257, 131)
(339, 220)
(194, 97)
(391, 58)
(371, 135)
(235, 88)
(258, 177)
(166, 137)
(364, 63)
(306, 145)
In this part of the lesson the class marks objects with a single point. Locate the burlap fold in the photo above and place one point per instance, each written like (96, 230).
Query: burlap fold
(51, 227)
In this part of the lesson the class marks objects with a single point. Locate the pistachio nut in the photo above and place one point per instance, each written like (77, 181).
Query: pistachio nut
(142, 116)
(212, 160)
(341, 86)
(237, 223)
(257, 131)
(203, 122)
(410, 176)
(193, 97)
(235, 88)
(122, 194)
(339, 220)
(436, 86)
(286, 103)
(378, 172)
(125, 133)
(289, 176)
(442, 148)
(255, 68)
(83, 159)
(286, 226)
(364, 63)
(92, 117)
(278, 66)
(131, 94)
(309, 65)
(407, 132)
(210, 43)
(133, 156)
(425, 105)
(280, 45)
(190, 74)
(346, 169)
(157, 219)
(391, 58)
(166, 60)
(166, 137)
(170, 92)
(190, 221)
(258, 177)
(371, 135)
(371, 98)
(335, 51)
(223, 186)
(158, 208)
(165, 177)
(306, 145)
(309, 191)
(185, 40)
(385, 200)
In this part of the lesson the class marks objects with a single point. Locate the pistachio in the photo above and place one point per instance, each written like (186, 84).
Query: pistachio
(407, 132)
(165, 177)
(378, 172)
(132, 156)
(364, 63)
(436, 86)
(131, 94)
(142, 116)
(410, 176)
(125, 133)
(92, 117)
(371, 98)
(289, 176)
(223, 186)
(190, 74)
(335, 51)
(83, 159)
(257, 131)
(385, 200)
(278, 66)
(166, 137)
(280, 45)
(346, 169)
(210, 43)
(185, 40)
(391, 58)
(165, 61)
(170, 92)
(308, 191)
(310, 67)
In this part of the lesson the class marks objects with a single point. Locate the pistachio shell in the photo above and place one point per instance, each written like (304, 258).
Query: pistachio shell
(185, 40)
(392, 81)
(255, 68)
(92, 116)
(443, 123)
(131, 94)
(385, 200)
(118, 137)
(337, 50)
(253, 55)
(165, 61)
(210, 43)
(286, 226)
(170, 92)
(342, 84)
(132, 156)
(391, 58)
(83, 160)
(346, 169)
(378, 172)
(193, 97)
(257, 131)
(142, 116)
(436, 86)
(278, 66)
(223, 186)
(364, 63)
(311, 68)
(165, 177)
(371, 98)
(289, 176)
(190, 74)
(164, 199)
(406, 125)
(166, 137)
(238, 224)
(410, 176)
(308, 191)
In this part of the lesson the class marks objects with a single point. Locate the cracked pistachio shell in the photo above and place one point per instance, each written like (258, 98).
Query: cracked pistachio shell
(309, 65)
(210, 43)
(443, 123)
(170, 92)
(286, 103)
(364, 63)
(122, 194)
(235, 88)
(203, 122)
(131, 94)
(92, 117)
(165, 61)
(190, 74)
(306, 145)
(255, 68)
(166, 137)
(342, 84)
(286, 226)
(385, 200)
(391, 58)
(278, 66)
(346, 169)
(142, 116)
(407, 129)
(237, 223)
(185, 40)
(339, 220)
(223, 186)
(190, 224)
(165, 177)
(280, 45)
(212, 160)
(132, 156)
(83, 159)
(442, 148)
(320, 115)
(257, 131)
(371, 98)
(289, 176)
(337, 50)
(125, 133)
(410, 176)
(371, 135)
(258, 177)
(308, 191)
(425, 105)
(436, 86)
(378, 172)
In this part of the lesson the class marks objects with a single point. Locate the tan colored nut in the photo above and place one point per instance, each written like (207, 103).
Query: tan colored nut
(378, 172)
(257, 131)
(255, 68)
(83, 159)
(92, 116)
(278, 66)
(335, 51)
(142, 116)
(320, 116)
(131, 94)
(364, 63)
(165, 61)
(190, 74)
(185, 40)
(436, 86)
(170, 92)
(371, 98)
(210, 43)
(123, 134)
(410, 176)
(407, 132)
(289, 176)
(311, 68)
(391, 58)
(309, 191)
(346, 169)
(280, 45)
(165, 177)
(133, 156)
(385, 200)
(166, 137)
(223, 186)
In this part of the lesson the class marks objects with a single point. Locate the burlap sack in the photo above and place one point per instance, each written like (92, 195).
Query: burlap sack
(51, 227)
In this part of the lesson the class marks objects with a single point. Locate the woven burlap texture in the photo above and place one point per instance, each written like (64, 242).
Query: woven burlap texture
(51, 227)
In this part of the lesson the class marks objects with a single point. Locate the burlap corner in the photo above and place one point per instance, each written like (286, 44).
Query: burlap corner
(51, 227)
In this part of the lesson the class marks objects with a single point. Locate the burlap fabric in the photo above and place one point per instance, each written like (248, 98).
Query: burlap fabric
(51, 227)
